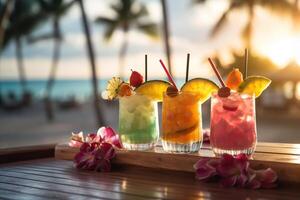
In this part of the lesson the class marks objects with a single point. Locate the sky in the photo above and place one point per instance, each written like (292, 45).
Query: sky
(190, 28)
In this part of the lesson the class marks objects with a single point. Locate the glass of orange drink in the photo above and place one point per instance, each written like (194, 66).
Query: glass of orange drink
(182, 117)
(181, 122)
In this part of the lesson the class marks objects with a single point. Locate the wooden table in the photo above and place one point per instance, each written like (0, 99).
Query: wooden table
(57, 179)
(51, 178)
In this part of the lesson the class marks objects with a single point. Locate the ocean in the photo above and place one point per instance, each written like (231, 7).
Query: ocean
(62, 89)
(80, 89)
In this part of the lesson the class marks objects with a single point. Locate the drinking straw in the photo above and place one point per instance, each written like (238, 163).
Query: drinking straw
(246, 63)
(168, 74)
(187, 68)
(146, 68)
(216, 72)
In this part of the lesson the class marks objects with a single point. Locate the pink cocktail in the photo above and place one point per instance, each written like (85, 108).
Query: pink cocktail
(233, 124)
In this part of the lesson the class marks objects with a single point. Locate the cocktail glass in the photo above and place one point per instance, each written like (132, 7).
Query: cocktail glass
(138, 122)
(233, 124)
(181, 122)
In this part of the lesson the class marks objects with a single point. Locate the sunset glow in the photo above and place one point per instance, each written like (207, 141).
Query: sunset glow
(283, 51)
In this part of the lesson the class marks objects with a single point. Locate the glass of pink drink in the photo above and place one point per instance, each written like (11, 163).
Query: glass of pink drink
(233, 124)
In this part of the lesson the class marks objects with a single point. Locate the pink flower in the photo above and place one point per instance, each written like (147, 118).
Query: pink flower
(206, 168)
(94, 156)
(262, 179)
(93, 137)
(109, 135)
(76, 140)
(235, 171)
(98, 150)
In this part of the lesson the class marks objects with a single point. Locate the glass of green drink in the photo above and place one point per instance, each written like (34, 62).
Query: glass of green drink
(138, 122)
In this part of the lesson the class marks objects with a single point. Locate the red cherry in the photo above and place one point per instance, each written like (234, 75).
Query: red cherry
(224, 92)
(136, 79)
(172, 91)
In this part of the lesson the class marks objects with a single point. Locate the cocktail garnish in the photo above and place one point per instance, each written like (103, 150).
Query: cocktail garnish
(153, 89)
(125, 90)
(223, 91)
(136, 79)
(113, 87)
(234, 79)
(168, 74)
(202, 87)
(254, 85)
(172, 91)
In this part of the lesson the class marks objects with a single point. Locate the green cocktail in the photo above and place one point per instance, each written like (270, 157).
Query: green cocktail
(138, 122)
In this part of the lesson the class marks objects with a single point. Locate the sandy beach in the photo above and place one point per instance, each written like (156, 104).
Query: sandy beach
(29, 126)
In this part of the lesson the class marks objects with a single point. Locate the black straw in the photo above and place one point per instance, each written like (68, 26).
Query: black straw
(246, 64)
(187, 68)
(146, 68)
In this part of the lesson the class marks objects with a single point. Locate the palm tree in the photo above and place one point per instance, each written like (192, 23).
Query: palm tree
(5, 12)
(276, 6)
(166, 33)
(54, 9)
(91, 54)
(23, 19)
(129, 14)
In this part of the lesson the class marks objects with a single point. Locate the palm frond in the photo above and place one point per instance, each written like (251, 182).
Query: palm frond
(127, 16)
(47, 36)
(105, 20)
(282, 7)
(65, 8)
(142, 12)
(149, 29)
(198, 1)
(110, 31)
(220, 23)
(279, 7)
(222, 20)
(110, 26)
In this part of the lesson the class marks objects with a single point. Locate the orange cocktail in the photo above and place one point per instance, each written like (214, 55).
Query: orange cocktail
(181, 122)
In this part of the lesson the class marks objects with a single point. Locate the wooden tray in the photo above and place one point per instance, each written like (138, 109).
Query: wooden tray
(283, 158)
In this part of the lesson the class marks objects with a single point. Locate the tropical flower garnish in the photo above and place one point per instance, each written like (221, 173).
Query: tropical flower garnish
(98, 150)
(113, 86)
(116, 87)
(76, 139)
(235, 171)
(125, 90)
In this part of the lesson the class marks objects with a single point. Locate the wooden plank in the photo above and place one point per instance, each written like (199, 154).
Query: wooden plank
(135, 175)
(56, 186)
(138, 188)
(282, 145)
(44, 193)
(7, 194)
(26, 153)
(287, 166)
(135, 190)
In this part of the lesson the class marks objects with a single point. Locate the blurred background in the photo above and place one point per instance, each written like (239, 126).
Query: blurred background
(57, 55)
